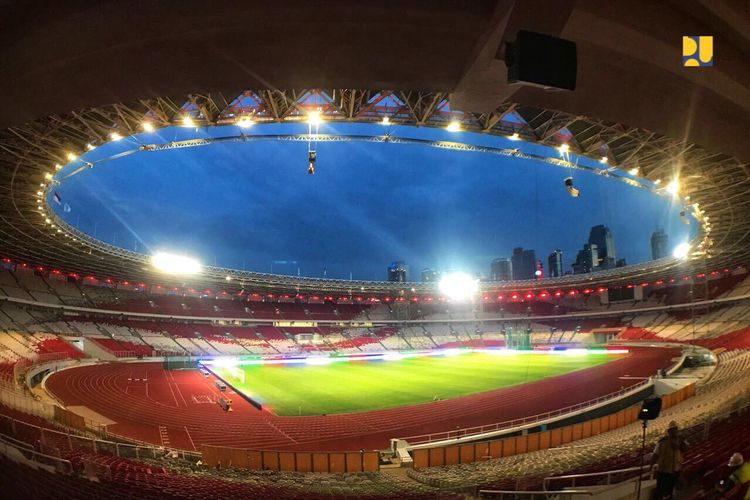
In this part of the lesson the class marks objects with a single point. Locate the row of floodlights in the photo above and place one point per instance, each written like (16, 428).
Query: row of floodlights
(315, 118)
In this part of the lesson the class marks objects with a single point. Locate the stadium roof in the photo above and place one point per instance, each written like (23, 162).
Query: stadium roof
(634, 104)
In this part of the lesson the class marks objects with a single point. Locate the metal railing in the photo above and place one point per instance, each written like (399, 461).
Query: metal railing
(629, 473)
(10, 447)
(248, 321)
(477, 431)
(51, 438)
(530, 495)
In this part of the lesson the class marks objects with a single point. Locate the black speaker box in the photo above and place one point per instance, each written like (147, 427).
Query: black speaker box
(542, 61)
(650, 409)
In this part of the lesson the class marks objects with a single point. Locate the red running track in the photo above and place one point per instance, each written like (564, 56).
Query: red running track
(141, 397)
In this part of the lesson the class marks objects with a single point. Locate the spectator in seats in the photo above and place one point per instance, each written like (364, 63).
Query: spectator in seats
(667, 460)
(739, 478)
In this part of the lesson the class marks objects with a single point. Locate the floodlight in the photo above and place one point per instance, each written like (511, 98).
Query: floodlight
(564, 148)
(245, 122)
(681, 251)
(673, 187)
(572, 191)
(89, 146)
(187, 122)
(175, 264)
(458, 286)
(48, 176)
(514, 136)
(58, 166)
(148, 126)
(657, 182)
(453, 126)
(115, 136)
(70, 156)
(633, 171)
(314, 118)
(604, 159)
(386, 121)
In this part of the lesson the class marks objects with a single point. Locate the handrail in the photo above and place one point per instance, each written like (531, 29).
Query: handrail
(6, 443)
(533, 493)
(608, 474)
(262, 321)
(97, 442)
(483, 429)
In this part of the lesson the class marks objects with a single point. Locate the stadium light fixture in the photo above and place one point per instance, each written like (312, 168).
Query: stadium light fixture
(314, 118)
(657, 182)
(633, 171)
(147, 126)
(563, 148)
(89, 146)
(70, 156)
(187, 121)
(115, 136)
(604, 160)
(673, 187)
(175, 264)
(681, 251)
(514, 137)
(458, 286)
(453, 126)
(47, 176)
(245, 122)
(385, 121)
(58, 166)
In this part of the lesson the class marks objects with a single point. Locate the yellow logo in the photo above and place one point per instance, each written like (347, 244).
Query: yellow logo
(697, 51)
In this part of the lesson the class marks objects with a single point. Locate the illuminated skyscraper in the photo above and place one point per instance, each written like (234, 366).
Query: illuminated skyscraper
(524, 264)
(602, 237)
(555, 263)
(659, 244)
(398, 271)
(501, 269)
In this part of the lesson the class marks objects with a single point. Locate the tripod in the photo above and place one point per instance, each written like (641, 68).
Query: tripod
(643, 454)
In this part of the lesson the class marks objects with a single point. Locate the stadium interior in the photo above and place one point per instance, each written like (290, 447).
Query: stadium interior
(126, 375)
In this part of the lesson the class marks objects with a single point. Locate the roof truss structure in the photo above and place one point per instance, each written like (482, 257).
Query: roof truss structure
(719, 183)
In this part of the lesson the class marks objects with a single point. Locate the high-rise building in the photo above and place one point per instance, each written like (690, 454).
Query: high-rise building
(555, 264)
(524, 264)
(430, 275)
(501, 269)
(602, 237)
(586, 260)
(398, 271)
(659, 244)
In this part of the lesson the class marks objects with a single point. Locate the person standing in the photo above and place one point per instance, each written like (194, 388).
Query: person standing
(667, 460)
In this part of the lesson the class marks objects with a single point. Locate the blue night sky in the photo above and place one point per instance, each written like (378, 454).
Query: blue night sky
(250, 204)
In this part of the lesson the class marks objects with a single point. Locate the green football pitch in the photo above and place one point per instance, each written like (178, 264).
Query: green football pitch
(346, 387)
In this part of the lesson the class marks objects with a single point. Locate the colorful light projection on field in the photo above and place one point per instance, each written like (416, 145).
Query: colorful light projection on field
(232, 362)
